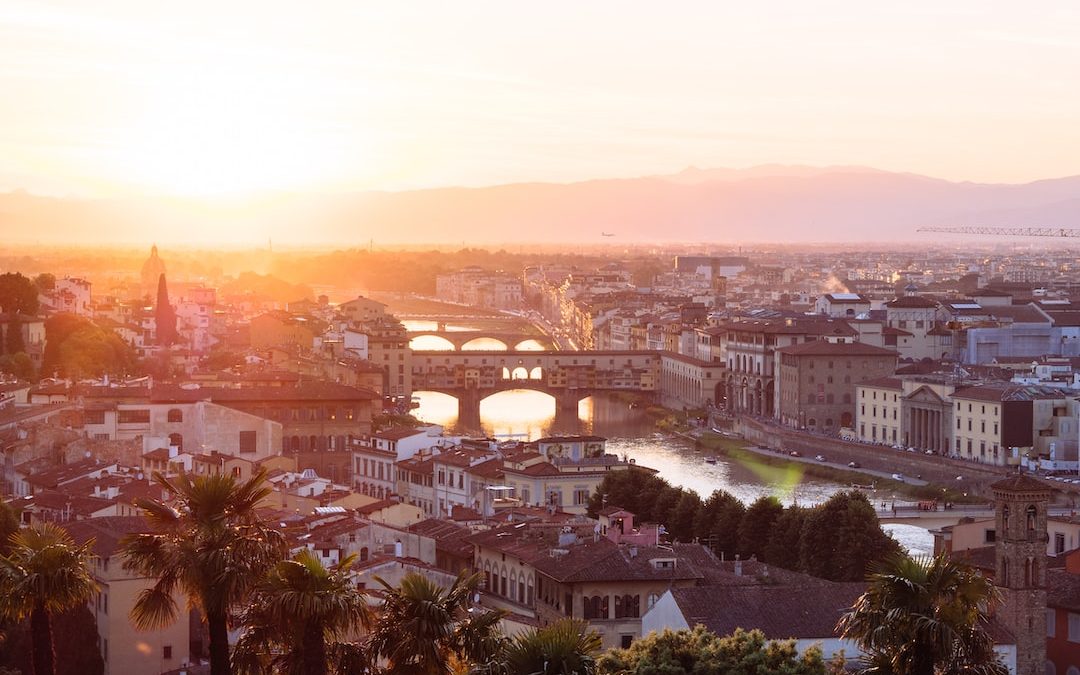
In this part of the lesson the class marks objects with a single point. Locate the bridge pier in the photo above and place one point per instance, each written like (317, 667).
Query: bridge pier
(468, 409)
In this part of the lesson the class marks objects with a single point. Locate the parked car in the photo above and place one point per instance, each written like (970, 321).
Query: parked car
(854, 465)
(898, 476)
(795, 453)
(820, 458)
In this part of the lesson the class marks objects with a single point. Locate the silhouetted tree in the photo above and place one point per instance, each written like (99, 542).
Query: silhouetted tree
(164, 315)
(756, 527)
(14, 343)
(18, 294)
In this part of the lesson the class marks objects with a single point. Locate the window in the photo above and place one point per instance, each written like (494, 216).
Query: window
(248, 441)
(625, 641)
(1074, 627)
(581, 496)
(1059, 543)
(133, 416)
(990, 536)
(166, 652)
(175, 415)
(94, 417)
(1051, 622)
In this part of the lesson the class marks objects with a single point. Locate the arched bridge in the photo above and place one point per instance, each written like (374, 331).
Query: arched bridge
(569, 376)
(461, 338)
(472, 376)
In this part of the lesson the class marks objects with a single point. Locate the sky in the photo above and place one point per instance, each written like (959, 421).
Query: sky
(122, 98)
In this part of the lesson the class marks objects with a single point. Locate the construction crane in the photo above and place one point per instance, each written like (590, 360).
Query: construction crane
(1007, 231)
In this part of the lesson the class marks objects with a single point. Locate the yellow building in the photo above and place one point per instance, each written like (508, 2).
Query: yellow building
(125, 650)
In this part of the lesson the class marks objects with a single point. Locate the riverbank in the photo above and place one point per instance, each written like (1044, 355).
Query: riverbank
(740, 450)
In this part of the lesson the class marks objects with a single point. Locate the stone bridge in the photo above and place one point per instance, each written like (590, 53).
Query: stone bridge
(460, 338)
(568, 376)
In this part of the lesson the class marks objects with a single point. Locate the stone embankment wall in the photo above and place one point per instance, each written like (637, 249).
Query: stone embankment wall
(976, 478)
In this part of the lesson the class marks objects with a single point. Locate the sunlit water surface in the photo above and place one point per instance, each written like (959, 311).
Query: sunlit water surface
(528, 415)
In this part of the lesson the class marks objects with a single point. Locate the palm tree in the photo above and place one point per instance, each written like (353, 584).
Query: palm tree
(423, 628)
(45, 573)
(922, 616)
(566, 646)
(207, 542)
(299, 613)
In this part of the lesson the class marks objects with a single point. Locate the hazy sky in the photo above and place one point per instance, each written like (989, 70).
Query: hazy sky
(120, 97)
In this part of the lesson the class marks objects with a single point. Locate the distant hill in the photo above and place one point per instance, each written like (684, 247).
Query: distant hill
(767, 203)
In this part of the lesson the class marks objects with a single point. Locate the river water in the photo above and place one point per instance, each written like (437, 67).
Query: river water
(528, 415)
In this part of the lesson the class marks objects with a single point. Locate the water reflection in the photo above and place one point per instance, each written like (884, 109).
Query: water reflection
(430, 343)
(530, 415)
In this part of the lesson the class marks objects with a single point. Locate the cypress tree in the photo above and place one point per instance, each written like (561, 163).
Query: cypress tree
(164, 315)
(14, 339)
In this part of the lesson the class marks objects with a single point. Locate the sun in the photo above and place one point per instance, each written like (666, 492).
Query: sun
(222, 129)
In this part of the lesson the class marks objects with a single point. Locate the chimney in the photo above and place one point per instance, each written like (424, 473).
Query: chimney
(738, 566)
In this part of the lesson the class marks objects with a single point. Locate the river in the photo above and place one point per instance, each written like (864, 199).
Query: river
(529, 415)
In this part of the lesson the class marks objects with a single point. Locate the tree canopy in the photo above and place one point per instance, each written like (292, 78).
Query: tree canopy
(689, 652)
(836, 540)
(76, 347)
(18, 294)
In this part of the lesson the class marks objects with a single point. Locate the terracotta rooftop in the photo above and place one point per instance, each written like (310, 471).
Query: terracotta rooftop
(781, 612)
(826, 348)
(1020, 482)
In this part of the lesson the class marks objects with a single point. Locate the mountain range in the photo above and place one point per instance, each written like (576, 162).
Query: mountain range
(769, 203)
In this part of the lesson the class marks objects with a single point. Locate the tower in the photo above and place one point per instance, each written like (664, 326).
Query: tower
(1020, 571)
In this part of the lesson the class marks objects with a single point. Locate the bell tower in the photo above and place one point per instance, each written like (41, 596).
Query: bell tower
(1020, 572)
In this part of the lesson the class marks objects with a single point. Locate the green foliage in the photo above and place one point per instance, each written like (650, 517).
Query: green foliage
(76, 654)
(689, 652)
(782, 547)
(164, 315)
(45, 282)
(842, 538)
(837, 540)
(423, 628)
(208, 542)
(756, 526)
(20, 365)
(566, 647)
(76, 347)
(266, 286)
(297, 618)
(222, 358)
(18, 294)
(13, 341)
(45, 573)
(925, 615)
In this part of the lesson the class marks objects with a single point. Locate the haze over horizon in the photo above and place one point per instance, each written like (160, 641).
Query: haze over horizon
(421, 121)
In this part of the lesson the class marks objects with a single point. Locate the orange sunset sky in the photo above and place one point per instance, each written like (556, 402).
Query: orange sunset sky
(122, 98)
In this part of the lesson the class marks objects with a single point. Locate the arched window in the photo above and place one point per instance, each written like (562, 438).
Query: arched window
(1029, 572)
(651, 600)
(513, 585)
(363, 554)
(1005, 519)
(1032, 520)
(313, 442)
(175, 415)
(503, 589)
(1005, 573)
(529, 591)
(176, 440)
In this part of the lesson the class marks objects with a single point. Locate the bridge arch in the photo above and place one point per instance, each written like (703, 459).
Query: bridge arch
(431, 342)
(482, 343)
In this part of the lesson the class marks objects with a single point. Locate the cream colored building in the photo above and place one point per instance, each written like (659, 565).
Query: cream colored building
(1004, 424)
(126, 650)
(878, 410)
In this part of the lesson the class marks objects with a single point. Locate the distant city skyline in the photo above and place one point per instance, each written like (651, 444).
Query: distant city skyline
(122, 99)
